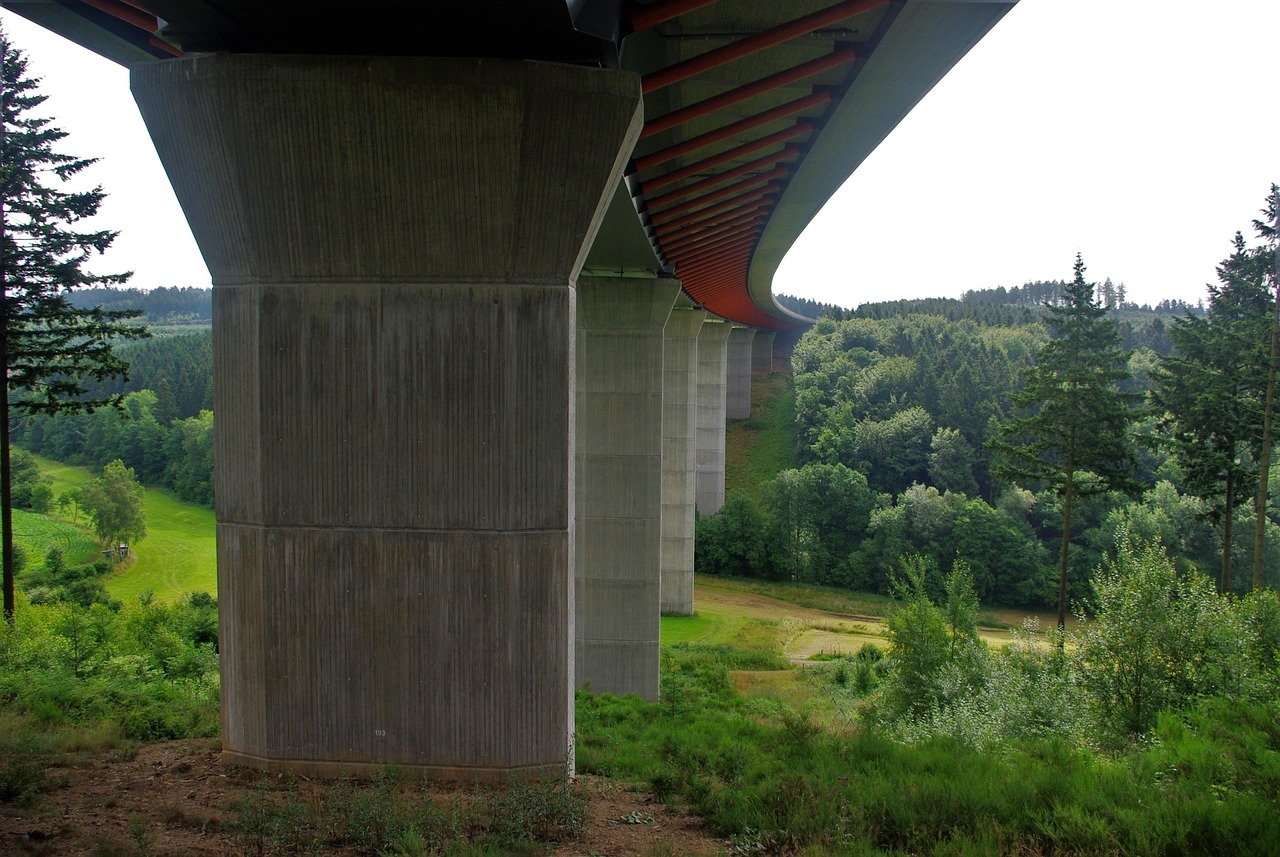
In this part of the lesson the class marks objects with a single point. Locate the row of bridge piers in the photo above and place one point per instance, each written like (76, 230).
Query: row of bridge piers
(456, 476)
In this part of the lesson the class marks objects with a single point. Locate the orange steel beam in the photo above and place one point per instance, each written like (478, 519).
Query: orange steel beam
(657, 13)
(747, 207)
(713, 210)
(744, 213)
(713, 244)
(722, 249)
(725, 195)
(752, 44)
(816, 99)
(733, 238)
(842, 55)
(801, 128)
(729, 190)
(694, 188)
(722, 255)
(689, 243)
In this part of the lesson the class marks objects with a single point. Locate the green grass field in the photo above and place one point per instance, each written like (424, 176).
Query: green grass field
(177, 556)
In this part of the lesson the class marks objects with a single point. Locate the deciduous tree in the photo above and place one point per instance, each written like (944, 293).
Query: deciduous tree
(113, 502)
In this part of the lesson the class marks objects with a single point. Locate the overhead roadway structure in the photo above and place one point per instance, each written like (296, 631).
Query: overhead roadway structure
(447, 243)
(754, 112)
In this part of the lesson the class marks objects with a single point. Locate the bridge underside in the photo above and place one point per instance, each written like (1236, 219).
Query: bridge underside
(465, 411)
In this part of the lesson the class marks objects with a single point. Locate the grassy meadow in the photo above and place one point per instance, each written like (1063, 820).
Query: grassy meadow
(178, 555)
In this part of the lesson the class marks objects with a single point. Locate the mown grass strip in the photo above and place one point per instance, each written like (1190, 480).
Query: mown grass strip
(178, 555)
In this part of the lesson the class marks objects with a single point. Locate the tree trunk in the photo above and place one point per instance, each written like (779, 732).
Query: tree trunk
(1260, 525)
(1067, 498)
(6, 487)
(1227, 514)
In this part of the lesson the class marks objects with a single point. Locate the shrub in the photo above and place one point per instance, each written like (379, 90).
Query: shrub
(1157, 640)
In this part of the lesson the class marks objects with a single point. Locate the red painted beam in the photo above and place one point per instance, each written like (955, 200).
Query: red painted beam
(800, 129)
(840, 56)
(753, 44)
(713, 245)
(695, 217)
(694, 188)
(654, 14)
(717, 195)
(680, 243)
(754, 206)
(782, 111)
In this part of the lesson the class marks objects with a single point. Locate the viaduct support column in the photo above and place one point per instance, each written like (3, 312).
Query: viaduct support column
(762, 352)
(393, 243)
(679, 432)
(712, 347)
(738, 373)
(619, 458)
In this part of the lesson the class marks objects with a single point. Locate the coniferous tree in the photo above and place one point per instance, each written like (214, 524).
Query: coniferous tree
(1073, 432)
(47, 346)
(1212, 388)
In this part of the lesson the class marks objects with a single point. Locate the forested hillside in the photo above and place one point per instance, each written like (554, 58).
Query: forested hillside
(899, 410)
(167, 305)
(165, 429)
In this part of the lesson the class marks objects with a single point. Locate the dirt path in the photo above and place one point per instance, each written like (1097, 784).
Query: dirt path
(174, 798)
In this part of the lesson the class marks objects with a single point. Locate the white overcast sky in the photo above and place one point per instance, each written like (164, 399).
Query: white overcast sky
(1140, 133)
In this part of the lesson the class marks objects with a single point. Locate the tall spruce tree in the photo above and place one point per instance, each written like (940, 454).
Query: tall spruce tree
(1072, 430)
(1269, 230)
(1210, 390)
(48, 348)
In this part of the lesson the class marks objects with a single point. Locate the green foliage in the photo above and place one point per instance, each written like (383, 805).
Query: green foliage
(768, 781)
(732, 540)
(138, 673)
(1210, 391)
(870, 388)
(114, 502)
(168, 452)
(1073, 434)
(1159, 640)
(933, 649)
(30, 488)
(817, 515)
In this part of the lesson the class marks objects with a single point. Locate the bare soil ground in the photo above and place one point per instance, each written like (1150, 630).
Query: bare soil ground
(174, 798)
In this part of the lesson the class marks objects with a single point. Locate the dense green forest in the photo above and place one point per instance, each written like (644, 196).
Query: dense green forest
(166, 305)
(900, 409)
(164, 430)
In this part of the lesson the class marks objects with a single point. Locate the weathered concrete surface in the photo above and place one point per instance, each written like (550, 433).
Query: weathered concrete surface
(738, 373)
(393, 243)
(679, 423)
(713, 340)
(618, 569)
(762, 352)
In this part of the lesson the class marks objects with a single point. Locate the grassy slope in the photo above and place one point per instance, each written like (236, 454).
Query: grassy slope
(177, 556)
(757, 449)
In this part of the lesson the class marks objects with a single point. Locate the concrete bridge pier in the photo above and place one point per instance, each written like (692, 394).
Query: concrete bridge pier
(679, 434)
(762, 352)
(738, 373)
(393, 243)
(713, 341)
(618, 568)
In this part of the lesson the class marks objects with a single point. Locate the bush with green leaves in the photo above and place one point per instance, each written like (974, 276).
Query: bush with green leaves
(936, 654)
(1158, 640)
(141, 672)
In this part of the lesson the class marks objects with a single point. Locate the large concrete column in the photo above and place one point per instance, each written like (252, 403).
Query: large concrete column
(618, 570)
(762, 352)
(679, 424)
(393, 243)
(713, 340)
(738, 373)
